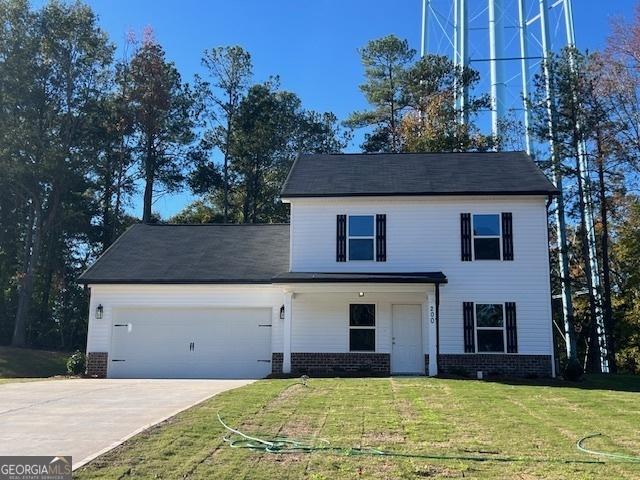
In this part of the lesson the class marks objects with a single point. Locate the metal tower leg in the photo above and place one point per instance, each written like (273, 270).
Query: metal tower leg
(524, 72)
(496, 27)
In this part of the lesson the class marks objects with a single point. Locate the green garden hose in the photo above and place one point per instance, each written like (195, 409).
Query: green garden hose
(283, 445)
(618, 456)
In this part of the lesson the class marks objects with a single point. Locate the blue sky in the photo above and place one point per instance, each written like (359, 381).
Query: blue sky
(311, 45)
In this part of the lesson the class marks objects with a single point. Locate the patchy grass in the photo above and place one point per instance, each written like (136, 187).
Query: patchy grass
(26, 363)
(537, 425)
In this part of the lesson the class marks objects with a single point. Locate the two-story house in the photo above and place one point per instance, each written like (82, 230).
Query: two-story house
(391, 264)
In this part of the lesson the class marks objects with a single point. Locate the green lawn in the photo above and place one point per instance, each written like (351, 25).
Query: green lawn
(26, 363)
(534, 426)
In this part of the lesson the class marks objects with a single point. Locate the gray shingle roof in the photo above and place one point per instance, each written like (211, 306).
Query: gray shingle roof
(194, 254)
(486, 173)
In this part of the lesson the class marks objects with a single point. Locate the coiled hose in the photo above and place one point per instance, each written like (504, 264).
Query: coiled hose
(283, 445)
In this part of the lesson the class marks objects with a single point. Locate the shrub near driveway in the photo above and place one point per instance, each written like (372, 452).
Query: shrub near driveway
(538, 424)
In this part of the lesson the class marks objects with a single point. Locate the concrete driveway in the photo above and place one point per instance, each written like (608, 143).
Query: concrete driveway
(86, 417)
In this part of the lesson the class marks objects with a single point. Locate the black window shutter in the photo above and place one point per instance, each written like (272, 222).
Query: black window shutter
(465, 236)
(512, 330)
(469, 334)
(341, 238)
(507, 236)
(381, 238)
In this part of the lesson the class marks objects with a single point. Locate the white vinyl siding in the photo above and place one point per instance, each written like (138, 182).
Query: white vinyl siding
(423, 234)
(320, 321)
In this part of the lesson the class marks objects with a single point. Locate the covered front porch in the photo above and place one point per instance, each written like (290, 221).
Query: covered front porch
(358, 324)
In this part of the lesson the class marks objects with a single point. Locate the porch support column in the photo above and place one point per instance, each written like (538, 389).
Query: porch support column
(432, 327)
(286, 349)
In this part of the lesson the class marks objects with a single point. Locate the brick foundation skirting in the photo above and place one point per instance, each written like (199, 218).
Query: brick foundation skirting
(495, 365)
(335, 364)
(97, 364)
(276, 363)
(378, 364)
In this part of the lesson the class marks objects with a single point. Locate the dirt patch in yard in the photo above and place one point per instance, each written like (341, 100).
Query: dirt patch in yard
(437, 471)
(406, 410)
(286, 395)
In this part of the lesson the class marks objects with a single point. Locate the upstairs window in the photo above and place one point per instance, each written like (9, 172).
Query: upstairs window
(362, 327)
(490, 328)
(361, 236)
(486, 237)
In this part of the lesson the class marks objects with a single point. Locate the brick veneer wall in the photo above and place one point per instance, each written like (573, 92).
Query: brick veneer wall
(378, 364)
(335, 364)
(496, 365)
(97, 364)
(276, 362)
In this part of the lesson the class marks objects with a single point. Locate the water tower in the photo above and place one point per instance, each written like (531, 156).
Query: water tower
(507, 42)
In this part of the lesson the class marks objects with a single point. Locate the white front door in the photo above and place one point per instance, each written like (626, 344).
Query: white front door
(406, 349)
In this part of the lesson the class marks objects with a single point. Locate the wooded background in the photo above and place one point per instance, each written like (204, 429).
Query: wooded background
(83, 133)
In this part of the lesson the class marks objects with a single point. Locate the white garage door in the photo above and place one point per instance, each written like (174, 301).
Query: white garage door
(190, 343)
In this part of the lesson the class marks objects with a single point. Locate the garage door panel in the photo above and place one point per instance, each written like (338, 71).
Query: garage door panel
(191, 343)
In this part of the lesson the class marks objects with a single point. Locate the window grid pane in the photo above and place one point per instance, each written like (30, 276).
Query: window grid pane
(489, 315)
(491, 341)
(362, 315)
(486, 248)
(361, 249)
(486, 225)
(362, 340)
(361, 225)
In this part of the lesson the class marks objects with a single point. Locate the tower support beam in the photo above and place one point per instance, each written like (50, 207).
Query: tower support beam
(496, 69)
(524, 72)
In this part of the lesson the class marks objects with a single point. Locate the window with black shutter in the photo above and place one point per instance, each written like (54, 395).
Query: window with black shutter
(511, 327)
(465, 236)
(507, 236)
(341, 238)
(381, 238)
(468, 327)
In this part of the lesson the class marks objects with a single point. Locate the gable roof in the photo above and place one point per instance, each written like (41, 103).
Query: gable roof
(402, 174)
(207, 253)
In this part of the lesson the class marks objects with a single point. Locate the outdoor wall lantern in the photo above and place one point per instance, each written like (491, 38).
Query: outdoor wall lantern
(282, 312)
(99, 311)
(361, 294)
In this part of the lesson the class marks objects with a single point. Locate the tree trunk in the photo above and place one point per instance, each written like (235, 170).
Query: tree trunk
(149, 177)
(606, 269)
(256, 191)
(107, 228)
(31, 253)
(225, 173)
(594, 357)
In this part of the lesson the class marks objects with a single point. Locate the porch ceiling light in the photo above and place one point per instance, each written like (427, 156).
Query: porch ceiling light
(99, 311)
